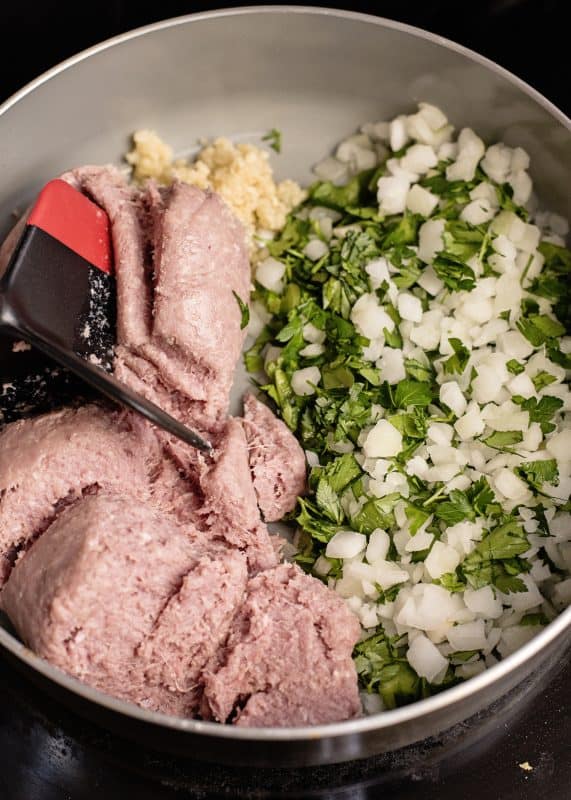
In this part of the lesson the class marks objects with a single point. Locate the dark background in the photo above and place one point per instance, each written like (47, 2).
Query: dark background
(46, 753)
(529, 37)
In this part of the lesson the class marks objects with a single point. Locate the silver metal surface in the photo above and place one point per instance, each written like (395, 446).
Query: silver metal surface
(316, 75)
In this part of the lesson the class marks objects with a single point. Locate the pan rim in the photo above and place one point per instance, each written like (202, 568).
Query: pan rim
(384, 719)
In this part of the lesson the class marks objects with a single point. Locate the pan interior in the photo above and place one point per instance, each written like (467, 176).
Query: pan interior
(315, 75)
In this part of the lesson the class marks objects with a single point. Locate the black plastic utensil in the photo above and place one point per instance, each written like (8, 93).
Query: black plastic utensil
(45, 293)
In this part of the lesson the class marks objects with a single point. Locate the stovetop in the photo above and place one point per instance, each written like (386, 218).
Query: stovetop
(518, 750)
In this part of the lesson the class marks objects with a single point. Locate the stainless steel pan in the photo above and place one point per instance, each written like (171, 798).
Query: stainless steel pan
(316, 75)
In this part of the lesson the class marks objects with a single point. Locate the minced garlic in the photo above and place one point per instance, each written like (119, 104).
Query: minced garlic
(240, 173)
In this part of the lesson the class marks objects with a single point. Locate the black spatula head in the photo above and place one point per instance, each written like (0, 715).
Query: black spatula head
(50, 295)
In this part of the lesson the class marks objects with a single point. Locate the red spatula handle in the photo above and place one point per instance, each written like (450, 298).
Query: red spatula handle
(70, 217)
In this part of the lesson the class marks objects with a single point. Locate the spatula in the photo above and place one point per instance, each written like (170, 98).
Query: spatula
(45, 292)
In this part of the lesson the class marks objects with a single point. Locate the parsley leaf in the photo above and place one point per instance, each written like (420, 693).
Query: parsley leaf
(459, 360)
(341, 198)
(253, 357)
(553, 281)
(412, 393)
(455, 509)
(328, 501)
(455, 276)
(534, 619)
(416, 516)
(310, 519)
(376, 513)
(515, 367)
(340, 472)
(541, 411)
(419, 371)
(501, 439)
(543, 379)
(244, 310)
(505, 541)
(413, 423)
(451, 582)
(274, 138)
(536, 473)
(383, 668)
(481, 496)
(491, 560)
(466, 505)
(462, 240)
(539, 329)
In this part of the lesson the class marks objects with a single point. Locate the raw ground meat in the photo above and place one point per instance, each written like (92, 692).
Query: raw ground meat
(51, 461)
(138, 564)
(230, 508)
(287, 660)
(277, 461)
(179, 255)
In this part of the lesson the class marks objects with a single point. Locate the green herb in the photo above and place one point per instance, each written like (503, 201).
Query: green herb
(457, 508)
(392, 338)
(515, 367)
(341, 198)
(283, 396)
(501, 440)
(459, 361)
(244, 310)
(536, 473)
(494, 559)
(253, 357)
(553, 282)
(463, 656)
(543, 379)
(539, 329)
(340, 472)
(542, 410)
(451, 582)
(466, 505)
(419, 371)
(388, 595)
(328, 501)
(274, 137)
(462, 240)
(455, 275)
(481, 496)
(416, 516)
(534, 620)
(413, 423)
(295, 234)
(383, 668)
(505, 194)
(376, 513)
(310, 520)
(412, 393)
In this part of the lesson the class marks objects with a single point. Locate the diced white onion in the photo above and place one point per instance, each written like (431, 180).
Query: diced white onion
(425, 658)
(383, 441)
(346, 544)
(302, 380)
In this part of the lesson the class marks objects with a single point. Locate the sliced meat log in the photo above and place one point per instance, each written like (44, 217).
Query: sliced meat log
(108, 187)
(230, 510)
(189, 631)
(277, 461)
(287, 661)
(49, 462)
(180, 254)
(126, 600)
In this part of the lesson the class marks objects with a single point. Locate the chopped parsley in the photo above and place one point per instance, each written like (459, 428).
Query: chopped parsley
(436, 469)
(274, 139)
